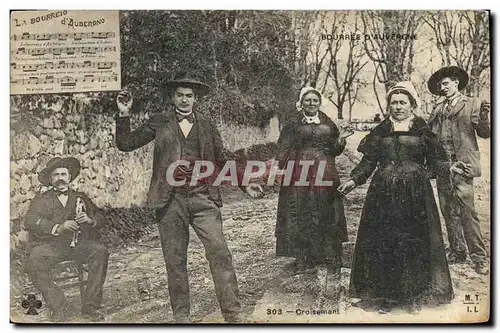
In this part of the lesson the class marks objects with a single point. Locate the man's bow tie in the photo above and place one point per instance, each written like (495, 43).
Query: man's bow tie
(59, 193)
(189, 117)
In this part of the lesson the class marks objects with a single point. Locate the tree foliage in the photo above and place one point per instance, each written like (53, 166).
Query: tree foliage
(245, 56)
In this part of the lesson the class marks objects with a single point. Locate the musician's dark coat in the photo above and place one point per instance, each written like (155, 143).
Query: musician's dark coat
(46, 211)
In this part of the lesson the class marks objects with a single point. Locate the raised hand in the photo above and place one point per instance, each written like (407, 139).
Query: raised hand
(485, 110)
(124, 102)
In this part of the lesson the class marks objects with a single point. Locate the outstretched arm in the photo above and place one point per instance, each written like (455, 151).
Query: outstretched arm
(254, 190)
(359, 175)
(436, 158)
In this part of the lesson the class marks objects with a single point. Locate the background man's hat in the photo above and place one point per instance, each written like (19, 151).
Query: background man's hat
(187, 81)
(70, 163)
(450, 71)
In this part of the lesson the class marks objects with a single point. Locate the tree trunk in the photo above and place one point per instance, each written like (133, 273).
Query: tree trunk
(340, 112)
(472, 88)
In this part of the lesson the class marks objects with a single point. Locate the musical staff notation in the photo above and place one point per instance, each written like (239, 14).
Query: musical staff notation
(65, 80)
(61, 36)
(66, 50)
(62, 51)
(63, 65)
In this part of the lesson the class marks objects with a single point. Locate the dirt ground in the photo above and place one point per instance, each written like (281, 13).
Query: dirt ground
(136, 288)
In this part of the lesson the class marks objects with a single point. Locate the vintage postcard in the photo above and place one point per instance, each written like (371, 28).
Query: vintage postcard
(233, 166)
(64, 51)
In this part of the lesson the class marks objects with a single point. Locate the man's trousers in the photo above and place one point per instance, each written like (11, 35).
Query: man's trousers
(456, 199)
(43, 257)
(194, 207)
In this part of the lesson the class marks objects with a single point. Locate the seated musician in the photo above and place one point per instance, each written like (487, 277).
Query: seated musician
(62, 222)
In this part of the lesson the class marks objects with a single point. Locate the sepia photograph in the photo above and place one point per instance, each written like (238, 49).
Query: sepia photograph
(250, 167)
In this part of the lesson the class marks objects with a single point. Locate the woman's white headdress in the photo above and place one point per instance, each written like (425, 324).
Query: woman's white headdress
(304, 91)
(407, 86)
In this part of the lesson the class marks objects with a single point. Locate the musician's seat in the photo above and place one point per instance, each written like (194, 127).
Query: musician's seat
(66, 274)
(70, 273)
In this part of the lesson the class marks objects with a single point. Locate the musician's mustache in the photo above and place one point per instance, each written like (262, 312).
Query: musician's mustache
(60, 182)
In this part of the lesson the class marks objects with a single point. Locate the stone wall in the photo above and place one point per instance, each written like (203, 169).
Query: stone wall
(74, 127)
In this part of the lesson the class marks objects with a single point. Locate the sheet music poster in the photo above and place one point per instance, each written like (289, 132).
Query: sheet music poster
(64, 51)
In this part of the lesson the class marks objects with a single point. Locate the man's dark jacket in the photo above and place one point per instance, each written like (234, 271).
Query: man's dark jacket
(163, 129)
(466, 123)
(46, 211)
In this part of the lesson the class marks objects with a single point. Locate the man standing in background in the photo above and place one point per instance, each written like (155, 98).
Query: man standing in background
(456, 120)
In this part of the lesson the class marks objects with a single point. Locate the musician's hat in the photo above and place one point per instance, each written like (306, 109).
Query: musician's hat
(70, 163)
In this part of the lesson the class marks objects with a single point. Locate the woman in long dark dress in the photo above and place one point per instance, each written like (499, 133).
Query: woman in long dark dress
(311, 223)
(399, 255)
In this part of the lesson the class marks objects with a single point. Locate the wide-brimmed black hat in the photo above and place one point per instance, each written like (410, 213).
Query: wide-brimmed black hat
(186, 80)
(70, 163)
(450, 71)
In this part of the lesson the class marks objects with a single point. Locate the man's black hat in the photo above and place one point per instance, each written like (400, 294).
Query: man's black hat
(185, 80)
(70, 163)
(450, 71)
